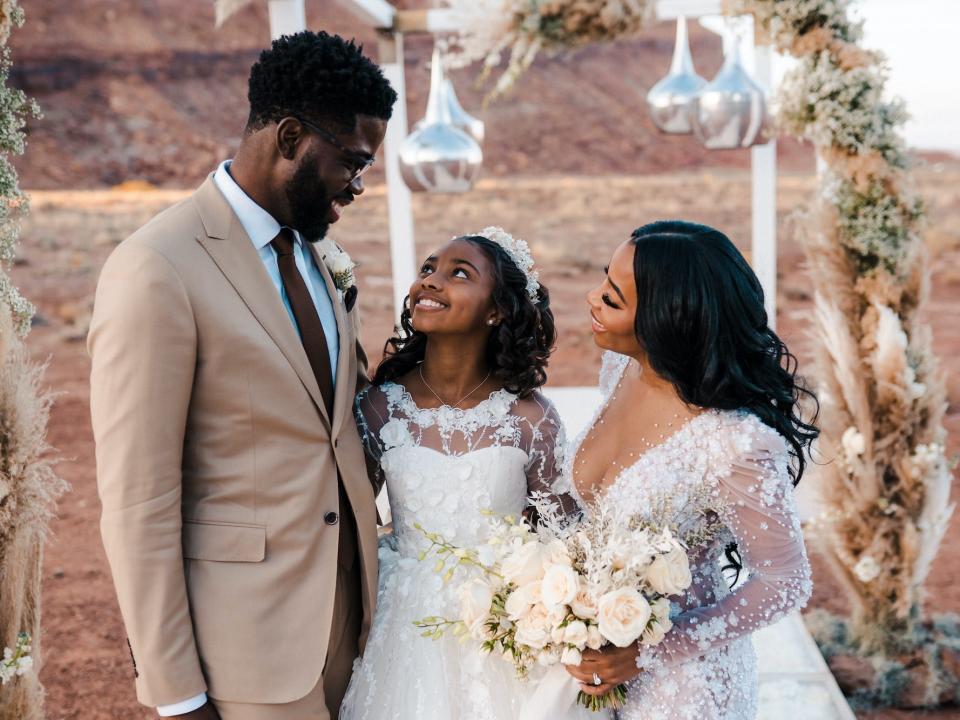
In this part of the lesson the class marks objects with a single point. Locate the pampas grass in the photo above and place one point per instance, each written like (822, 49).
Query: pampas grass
(886, 482)
(28, 489)
(28, 485)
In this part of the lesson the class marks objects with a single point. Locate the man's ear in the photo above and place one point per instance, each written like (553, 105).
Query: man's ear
(289, 136)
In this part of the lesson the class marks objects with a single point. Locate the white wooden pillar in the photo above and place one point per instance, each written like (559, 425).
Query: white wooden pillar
(287, 17)
(403, 251)
(763, 252)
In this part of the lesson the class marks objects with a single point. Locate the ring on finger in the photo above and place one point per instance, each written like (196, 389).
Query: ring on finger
(597, 680)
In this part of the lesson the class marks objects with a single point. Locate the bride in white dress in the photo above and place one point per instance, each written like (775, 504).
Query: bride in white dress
(455, 426)
(699, 423)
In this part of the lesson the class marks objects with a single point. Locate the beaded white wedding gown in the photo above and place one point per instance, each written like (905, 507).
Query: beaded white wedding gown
(443, 467)
(722, 476)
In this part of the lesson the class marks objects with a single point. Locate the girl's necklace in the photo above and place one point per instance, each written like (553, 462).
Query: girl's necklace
(442, 401)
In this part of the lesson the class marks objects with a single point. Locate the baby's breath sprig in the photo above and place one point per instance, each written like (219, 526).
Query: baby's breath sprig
(16, 661)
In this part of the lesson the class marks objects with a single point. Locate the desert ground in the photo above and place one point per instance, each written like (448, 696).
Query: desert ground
(573, 224)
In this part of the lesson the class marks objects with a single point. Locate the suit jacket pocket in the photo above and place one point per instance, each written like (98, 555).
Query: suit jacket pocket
(224, 542)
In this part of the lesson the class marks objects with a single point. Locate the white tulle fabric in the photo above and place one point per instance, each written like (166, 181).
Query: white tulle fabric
(726, 473)
(442, 467)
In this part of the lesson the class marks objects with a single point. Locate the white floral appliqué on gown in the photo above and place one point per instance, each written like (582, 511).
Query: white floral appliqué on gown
(723, 475)
(443, 467)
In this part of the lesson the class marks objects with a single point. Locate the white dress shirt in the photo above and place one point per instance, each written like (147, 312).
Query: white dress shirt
(262, 228)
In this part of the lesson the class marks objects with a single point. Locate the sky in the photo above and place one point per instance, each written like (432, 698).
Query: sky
(916, 36)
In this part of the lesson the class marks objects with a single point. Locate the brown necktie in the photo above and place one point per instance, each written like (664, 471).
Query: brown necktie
(314, 341)
(312, 335)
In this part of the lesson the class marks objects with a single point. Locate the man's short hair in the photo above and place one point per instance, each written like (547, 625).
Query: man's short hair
(317, 76)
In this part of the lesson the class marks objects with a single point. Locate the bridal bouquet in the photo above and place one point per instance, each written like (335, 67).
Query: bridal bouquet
(542, 596)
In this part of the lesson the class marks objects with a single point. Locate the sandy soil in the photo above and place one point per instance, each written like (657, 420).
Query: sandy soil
(573, 224)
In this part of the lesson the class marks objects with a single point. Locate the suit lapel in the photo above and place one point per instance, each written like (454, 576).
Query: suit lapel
(234, 254)
(342, 397)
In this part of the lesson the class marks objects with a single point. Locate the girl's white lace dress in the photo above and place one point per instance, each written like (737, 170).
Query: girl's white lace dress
(723, 476)
(443, 467)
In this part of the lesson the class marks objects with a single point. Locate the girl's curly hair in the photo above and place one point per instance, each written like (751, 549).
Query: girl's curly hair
(518, 348)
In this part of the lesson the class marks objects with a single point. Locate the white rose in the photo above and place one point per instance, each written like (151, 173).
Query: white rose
(522, 599)
(524, 564)
(560, 585)
(576, 634)
(476, 595)
(557, 553)
(669, 574)
(556, 615)
(548, 657)
(571, 656)
(395, 434)
(594, 638)
(533, 629)
(340, 262)
(584, 604)
(654, 633)
(853, 442)
(867, 569)
(623, 616)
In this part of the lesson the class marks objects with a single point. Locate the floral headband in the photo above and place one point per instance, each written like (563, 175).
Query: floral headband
(519, 252)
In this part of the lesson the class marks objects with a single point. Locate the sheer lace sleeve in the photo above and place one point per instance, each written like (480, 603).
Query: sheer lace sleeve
(372, 412)
(754, 499)
(546, 447)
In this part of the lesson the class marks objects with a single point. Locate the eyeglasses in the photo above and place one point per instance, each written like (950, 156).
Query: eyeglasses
(360, 163)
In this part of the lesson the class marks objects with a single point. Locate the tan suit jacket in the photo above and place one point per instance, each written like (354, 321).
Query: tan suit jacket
(217, 463)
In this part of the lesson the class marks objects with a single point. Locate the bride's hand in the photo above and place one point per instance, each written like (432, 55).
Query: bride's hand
(612, 665)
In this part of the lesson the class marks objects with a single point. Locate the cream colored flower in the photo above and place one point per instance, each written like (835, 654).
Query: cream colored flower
(557, 553)
(584, 604)
(559, 585)
(669, 574)
(524, 564)
(571, 656)
(522, 599)
(576, 633)
(867, 569)
(853, 442)
(623, 616)
(594, 637)
(533, 629)
(476, 595)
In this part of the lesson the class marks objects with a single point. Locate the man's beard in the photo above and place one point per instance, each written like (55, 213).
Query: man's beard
(309, 200)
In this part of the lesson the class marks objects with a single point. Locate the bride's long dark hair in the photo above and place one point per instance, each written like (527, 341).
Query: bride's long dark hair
(702, 324)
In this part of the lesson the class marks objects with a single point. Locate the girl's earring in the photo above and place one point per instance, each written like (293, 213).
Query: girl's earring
(491, 322)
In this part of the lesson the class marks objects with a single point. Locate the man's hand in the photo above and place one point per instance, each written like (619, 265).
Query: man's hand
(614, 666)
(204, 712)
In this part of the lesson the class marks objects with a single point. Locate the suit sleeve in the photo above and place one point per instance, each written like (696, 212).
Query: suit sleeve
(143, 347)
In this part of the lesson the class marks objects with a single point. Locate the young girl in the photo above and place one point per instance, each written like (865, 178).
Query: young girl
(455, 426)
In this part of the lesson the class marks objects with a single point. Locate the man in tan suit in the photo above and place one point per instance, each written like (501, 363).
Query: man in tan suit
(238, 519)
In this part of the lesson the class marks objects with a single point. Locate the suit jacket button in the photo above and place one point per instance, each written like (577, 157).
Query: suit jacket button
(330, 518)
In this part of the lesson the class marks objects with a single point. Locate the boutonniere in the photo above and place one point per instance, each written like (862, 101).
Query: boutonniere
(341, 268)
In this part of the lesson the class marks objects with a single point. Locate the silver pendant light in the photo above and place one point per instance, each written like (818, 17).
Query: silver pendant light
(672, 100)
(437, 156)
(474, 127)
(731, 110)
